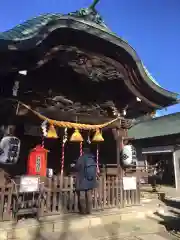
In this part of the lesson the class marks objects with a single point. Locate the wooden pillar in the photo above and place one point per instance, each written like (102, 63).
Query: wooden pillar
(176, 163)
(119, 140)
(119, 134)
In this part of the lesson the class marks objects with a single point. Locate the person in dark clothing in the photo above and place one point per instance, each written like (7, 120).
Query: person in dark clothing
(156, 178)
(86, 180)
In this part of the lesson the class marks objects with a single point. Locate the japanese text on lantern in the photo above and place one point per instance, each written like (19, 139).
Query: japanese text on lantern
(38, 164)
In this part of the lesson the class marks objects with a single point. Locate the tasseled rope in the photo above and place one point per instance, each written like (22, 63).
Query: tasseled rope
(69, 124)
(62, 158)
(81, 149)
(62, 150)
(97, 159)
(44, 132)
(42, 143)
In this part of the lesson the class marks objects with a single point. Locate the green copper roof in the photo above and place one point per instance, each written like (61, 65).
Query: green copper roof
(29, 28)
(150, 76)
(32, 32)
(155, 127)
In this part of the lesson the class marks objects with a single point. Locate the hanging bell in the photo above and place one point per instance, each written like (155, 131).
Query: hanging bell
(98, 137)
(52, 132)
(76, 136)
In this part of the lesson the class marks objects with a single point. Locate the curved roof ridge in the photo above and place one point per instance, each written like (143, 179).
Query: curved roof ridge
(32, 32)
(150, 75)
(32, 26)
(29, 27)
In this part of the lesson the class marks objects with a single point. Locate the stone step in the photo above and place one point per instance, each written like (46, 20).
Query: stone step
(114, 222)
(149, 195)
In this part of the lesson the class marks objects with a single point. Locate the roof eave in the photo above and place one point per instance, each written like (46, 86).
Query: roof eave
(94, 29)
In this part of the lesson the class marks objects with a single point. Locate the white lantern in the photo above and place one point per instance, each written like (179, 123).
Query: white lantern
(127, 155)
(9, 150)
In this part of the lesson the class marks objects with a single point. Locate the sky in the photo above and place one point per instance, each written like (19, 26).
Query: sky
(150, 26)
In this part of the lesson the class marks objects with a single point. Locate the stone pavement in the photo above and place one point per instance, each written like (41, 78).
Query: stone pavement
(138, 222)
(128, 230)
(153, 236)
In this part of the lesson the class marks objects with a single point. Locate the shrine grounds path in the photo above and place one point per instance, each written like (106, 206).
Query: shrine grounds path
(129, 230)
(151, 221)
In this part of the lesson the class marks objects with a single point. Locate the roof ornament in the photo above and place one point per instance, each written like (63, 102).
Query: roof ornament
(93, 5)
(89, 14)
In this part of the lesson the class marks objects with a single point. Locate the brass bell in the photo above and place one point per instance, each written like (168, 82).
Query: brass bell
(98, 137)
(52, 132)
(76, 136)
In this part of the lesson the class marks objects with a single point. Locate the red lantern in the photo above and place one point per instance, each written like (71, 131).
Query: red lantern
(37, 161)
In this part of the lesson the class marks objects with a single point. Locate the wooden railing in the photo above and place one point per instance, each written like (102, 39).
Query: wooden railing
(58, 196)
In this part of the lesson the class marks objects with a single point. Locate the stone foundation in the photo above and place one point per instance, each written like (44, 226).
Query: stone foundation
(31, 229)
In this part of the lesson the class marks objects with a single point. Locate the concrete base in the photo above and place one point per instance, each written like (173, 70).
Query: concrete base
(31, 229)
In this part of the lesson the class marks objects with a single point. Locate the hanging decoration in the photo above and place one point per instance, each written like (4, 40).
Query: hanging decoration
(63, 124)
(52, 132)
(37, 161)
(9, 150)
(44, 131)
(76, 136)
(42, 143)
(126, 155)
(97, 159)
(62, 151)
(89, 139)
(98, 136)
(44, 128)
(81, 149)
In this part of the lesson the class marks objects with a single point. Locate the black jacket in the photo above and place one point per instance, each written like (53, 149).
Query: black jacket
(82, 183)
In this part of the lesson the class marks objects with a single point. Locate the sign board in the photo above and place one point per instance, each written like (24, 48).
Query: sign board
(29, 184)
(129, 183)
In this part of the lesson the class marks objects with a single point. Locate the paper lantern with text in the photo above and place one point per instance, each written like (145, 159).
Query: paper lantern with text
(126, 155)
(9, 150)
(37, 161)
